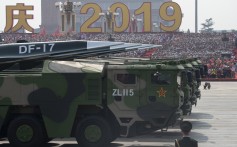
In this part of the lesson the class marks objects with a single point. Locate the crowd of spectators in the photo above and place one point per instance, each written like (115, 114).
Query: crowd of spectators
(208, 46)
(221, 67)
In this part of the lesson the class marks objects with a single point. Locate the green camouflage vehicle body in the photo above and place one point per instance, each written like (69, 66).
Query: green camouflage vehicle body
(167, 72)
(153, 100)
(194, 66)
(94, 102)
(55, 91)
(197, 76)
(186, 104)
(191, 82)
(185, 86)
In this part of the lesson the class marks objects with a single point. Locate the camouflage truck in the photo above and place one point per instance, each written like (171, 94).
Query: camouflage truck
(197, 75)
(194, 70)
(191, 82)
(93, 102)
(184, 85)
(188, 84)
(186, 77)
(171, 67)
(191, 77)
(203, 67)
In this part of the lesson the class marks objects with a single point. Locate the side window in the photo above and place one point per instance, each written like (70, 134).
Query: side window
(162, 79)
(126, 78)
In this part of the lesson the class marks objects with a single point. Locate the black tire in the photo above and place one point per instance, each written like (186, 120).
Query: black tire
(114, 131)
(47, 140)
(102, 126)
(36, 136)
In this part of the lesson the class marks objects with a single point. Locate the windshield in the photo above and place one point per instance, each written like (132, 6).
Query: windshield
(160, 78)
(190, 76)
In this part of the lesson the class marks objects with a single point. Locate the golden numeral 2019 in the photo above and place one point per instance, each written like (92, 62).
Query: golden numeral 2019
(144, 9)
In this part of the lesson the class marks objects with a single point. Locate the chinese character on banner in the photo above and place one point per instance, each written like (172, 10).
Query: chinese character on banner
(22, 18)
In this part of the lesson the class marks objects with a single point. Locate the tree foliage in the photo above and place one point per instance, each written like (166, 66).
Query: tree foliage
(207, 25)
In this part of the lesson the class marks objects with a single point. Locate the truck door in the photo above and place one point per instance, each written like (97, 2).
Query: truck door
(123, 89)
(159, 87)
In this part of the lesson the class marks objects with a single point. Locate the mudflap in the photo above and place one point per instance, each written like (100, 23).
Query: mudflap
(178, 115)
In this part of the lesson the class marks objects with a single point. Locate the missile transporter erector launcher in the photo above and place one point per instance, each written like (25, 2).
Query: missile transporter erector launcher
(189, 82)
(190, 98)
(186, 106)
(93, 102)
(197, 71)
(183, 85)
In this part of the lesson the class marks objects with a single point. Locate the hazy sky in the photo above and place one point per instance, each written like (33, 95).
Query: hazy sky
(223, 13)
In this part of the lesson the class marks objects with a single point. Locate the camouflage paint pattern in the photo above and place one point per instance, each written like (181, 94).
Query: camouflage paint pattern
(3, 109)
(192, 65)
(188, 96)
(194, 85)
(160, 106)
(146, 109)
(58, 91)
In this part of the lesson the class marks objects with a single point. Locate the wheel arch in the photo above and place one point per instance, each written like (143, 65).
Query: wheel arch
(93, 110)
(25, 131)
(16, 111)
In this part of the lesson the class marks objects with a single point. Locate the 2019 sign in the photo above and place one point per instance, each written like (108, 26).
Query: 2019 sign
(144, 9)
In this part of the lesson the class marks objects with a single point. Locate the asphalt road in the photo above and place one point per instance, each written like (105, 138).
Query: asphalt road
(214, 122)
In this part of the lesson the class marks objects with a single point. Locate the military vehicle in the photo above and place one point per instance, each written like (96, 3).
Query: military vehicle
(87, 101)
(93, 102)
(188, 82)
(191, 83)
(197, 70)
(191, 77)
(185, 75)
(203, 68)
(194, 70)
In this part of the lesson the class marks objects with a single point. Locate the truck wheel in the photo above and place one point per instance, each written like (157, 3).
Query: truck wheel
(114, 136)
(47, 140)
(25, 131)
(114, 132)
(93, 131)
